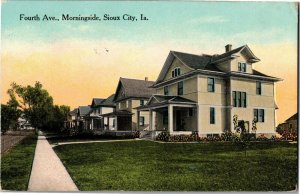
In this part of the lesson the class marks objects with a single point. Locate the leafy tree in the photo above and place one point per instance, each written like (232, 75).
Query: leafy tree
(9, 117)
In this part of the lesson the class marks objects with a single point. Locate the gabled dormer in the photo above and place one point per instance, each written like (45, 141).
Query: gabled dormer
(179, 64)
(236, 60)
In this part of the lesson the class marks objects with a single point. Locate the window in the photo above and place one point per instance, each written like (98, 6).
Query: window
(211, 84)
(176, 72)
(180, 88)
(114, 123)
(259, 114)
(258, 88)
(142, 121)
(239, 99)
(242, 67)
(165, 118)
(212, 115)
(142, 102)
(166, 90)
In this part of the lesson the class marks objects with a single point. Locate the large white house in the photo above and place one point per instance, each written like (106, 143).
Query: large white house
(204, 92)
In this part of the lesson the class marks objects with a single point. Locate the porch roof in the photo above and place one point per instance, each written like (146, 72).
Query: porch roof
(157, 101)
(117, 113)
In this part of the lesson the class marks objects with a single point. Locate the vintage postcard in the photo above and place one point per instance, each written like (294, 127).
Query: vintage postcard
(112, 96)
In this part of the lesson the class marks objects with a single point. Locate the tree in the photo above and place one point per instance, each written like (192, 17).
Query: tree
(9, 117)
(35, 102)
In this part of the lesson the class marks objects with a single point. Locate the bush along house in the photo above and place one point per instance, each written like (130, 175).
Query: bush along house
(204, 92)
(131, 93)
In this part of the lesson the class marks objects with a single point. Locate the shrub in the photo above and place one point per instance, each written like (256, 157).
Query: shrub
(248, 136)
(289, 136)
(227, 136)
(262, 137)
(136, 134)
(163, 136)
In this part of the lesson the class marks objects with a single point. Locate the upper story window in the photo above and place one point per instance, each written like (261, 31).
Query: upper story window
(239, 99)
(180, 88)
(176, 72)
(242, 67)
(142, 102)
(166, 90)
(258, 88)
(211, 84)
(127, 103)
(259, 115)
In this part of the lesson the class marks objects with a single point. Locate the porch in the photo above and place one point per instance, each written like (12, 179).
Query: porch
(174, 114)
(122, 120)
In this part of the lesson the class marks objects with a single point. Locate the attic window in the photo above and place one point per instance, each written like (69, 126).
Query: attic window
(242, 67)
(176, 72)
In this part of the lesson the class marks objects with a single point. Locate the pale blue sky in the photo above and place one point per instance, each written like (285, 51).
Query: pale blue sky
(239, 22)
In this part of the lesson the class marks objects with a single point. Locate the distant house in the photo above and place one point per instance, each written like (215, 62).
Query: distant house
(101, 106)
(71, 119)
(202, 93)
(131, 93)
(23, 123)
(82, 111)
(290, 125)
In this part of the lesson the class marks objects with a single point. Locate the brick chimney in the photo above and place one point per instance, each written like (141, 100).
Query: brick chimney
(228, 47)
(146, 78)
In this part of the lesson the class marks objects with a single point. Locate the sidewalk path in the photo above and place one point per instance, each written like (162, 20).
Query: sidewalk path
(48, 173)
(96, 141)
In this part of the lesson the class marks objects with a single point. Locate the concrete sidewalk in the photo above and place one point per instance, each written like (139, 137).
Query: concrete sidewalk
(48, 173)
(96, 141)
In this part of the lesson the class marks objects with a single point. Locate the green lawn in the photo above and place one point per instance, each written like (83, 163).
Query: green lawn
(16, 165)
(151, 166)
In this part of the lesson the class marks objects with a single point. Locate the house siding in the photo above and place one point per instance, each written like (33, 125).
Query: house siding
(265, 101)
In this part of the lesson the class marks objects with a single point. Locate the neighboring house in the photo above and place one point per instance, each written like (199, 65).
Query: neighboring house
(101, 106)
(71, 119)
(82, 111)
(131, 93)
(203, 92)
(23, 124)
(290, 125)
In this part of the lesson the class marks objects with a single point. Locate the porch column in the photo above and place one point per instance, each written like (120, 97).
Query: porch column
(170, 118)
(150, 120)
(92, 124)
(116, 123)
(107, 123)
(198, 118)
(153, 120)
(138, 120)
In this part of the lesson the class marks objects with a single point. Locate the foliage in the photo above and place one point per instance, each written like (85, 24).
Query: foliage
(16, 165)
(286, 135)
(262, 137)
(37, 106)
(9, 117)
(163, 136)
(254, 128)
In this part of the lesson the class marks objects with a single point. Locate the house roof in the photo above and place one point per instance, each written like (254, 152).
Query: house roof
(97, 101)
(73, 112)
(84, 110)
(207, 62)
(161, 100)
(294, 117)
(109, 101)
(134, 88)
